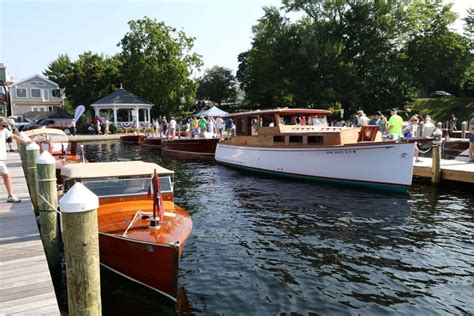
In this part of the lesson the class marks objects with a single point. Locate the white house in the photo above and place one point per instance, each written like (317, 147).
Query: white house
(36, 94)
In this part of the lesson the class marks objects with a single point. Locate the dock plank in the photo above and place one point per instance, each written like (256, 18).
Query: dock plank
(452, 170)
(25, 281)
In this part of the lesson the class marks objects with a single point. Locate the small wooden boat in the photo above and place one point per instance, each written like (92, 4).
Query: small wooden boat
(141, 237)
(152, 142)
(55, 141)
(299, 143)
(133, 139)
(191, 146)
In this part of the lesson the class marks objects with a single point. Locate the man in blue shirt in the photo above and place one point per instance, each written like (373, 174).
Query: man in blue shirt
(228, 127)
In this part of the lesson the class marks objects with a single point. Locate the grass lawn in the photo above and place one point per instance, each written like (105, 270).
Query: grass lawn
(440, 109)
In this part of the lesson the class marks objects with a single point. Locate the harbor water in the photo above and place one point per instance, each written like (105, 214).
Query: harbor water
(265, 246)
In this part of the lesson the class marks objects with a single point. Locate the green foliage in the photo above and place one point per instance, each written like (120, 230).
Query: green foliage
(440, 109)
(68, 106)
(83, 123)
(218, 84)
(87, 79)
(157, 65)
(112, 129)
(469, 27)
(467, 83)
(361, 54)
(59, 70)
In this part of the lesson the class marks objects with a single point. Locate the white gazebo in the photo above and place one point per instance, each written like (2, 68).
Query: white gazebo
(124, 100)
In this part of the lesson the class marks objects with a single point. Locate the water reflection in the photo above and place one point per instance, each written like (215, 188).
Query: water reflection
(267, 246)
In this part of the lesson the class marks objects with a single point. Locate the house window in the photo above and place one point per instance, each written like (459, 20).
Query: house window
(35, 93)
(20, 93)
(38, 108)
(56, 93)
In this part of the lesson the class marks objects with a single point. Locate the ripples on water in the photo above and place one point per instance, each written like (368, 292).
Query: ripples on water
(265, 246)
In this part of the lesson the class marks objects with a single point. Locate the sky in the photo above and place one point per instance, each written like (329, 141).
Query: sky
(34, 32)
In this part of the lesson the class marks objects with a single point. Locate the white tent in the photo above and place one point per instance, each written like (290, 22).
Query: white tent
(213, 111)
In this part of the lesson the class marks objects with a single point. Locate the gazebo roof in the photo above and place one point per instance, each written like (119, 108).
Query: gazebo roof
(121, 96)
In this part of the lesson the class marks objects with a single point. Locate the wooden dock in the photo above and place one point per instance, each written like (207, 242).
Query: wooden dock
(452, 170)
(25, 281)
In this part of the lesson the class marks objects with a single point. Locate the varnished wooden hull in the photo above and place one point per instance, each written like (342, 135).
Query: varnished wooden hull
(150, 264)
(152, 142)
(147, 256)
(132, 139)
(193, 146)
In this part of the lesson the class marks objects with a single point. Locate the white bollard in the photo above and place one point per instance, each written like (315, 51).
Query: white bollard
(81, 249)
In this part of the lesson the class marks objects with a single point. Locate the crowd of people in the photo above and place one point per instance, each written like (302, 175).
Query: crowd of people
(194, 127)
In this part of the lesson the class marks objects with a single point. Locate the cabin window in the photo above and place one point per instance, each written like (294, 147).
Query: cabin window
(268, 121)
(318, 120)
(20, 93)
(315, 139)
(296, 139)
(279, 139)
(125, 187)
(244, 126)
(36, 93)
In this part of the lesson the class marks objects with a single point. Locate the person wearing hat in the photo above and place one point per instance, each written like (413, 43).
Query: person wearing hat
(362, 118)
(395, 125)
(4, 134)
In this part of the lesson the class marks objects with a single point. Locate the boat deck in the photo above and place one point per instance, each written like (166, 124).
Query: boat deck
(25, 281)
(452, 170)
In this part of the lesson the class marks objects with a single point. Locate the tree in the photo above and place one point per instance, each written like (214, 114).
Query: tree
(218, 84)
(158, 63)
(469, 27)
(86, 80)
(59, 70)
(435, 55)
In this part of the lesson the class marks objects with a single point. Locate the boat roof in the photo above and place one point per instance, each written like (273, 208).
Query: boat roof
(45, 131)
(282, 111)
(112, 169)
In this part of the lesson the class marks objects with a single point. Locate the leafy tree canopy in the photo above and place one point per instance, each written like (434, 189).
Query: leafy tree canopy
(157, 63)
(218, 84)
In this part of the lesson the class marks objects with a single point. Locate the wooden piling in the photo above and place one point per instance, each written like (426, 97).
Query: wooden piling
(81, 248)
(47, 205)
(32, 153)
(463, 129)
(436, 164)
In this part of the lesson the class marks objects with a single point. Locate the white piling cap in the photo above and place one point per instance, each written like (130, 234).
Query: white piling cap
(32, 146)
(45, 159)
(78, 199)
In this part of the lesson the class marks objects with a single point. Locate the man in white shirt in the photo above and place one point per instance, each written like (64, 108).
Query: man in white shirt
(4, 134)
(219, 126)
(172, 128)
(363, 119)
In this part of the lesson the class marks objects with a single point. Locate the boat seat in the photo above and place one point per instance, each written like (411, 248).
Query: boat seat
(368, 133)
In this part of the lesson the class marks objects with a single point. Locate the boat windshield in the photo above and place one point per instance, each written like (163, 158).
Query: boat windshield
(315, 120)
(125, 187)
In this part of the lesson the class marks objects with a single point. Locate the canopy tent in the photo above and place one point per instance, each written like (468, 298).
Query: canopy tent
(213, 111)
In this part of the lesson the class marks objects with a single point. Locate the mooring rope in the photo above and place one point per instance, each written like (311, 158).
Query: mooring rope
(49, 204)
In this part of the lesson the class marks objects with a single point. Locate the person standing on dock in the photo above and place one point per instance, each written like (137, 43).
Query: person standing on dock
(395, 125)
(4, 134)
(362, 119)
(172, 128)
